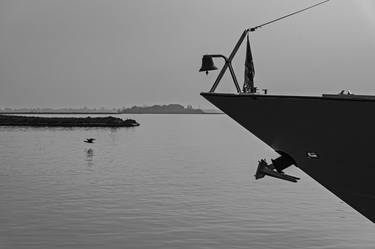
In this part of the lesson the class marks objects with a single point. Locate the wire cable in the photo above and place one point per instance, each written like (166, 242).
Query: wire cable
(291, 14)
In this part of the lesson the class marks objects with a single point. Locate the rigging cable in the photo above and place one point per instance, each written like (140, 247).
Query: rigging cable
(291, 14)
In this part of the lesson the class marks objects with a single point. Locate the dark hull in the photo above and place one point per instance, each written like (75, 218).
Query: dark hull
(341, 131)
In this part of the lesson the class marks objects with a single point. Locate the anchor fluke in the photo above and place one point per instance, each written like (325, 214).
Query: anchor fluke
(269, 170)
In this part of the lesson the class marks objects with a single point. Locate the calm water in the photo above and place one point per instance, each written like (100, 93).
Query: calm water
(177, 181)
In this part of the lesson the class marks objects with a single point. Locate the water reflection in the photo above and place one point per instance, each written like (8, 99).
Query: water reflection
(113, 135)
(90, 157)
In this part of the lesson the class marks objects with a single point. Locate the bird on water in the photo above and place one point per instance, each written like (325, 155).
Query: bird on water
(89, 140)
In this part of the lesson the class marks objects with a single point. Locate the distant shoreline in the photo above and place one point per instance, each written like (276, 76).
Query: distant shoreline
(99, 113)
(62, 113)
(155, 109)
(166, 109)
(187, 113)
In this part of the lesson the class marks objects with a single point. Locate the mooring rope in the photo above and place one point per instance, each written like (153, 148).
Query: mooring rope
(291, 14)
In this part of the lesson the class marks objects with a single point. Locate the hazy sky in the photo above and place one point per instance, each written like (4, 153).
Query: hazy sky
(65, 53)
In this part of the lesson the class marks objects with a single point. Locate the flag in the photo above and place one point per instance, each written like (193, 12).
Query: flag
(248, 85)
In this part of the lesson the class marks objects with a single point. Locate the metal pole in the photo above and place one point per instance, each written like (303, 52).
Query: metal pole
(229, 65)
(228, 62)
(234, 77)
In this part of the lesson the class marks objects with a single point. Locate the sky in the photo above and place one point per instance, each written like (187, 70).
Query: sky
(113, 53)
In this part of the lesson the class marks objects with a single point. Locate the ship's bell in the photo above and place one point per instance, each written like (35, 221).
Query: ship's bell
(207, 64)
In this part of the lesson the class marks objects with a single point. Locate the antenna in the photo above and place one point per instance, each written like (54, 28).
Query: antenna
(291, 14)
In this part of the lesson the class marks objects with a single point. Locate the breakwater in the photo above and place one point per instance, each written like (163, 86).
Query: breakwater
(14, 120)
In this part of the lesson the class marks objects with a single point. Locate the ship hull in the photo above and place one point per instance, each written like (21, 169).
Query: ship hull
(330, 139)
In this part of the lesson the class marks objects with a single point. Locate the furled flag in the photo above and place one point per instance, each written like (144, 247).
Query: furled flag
(248, 85)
